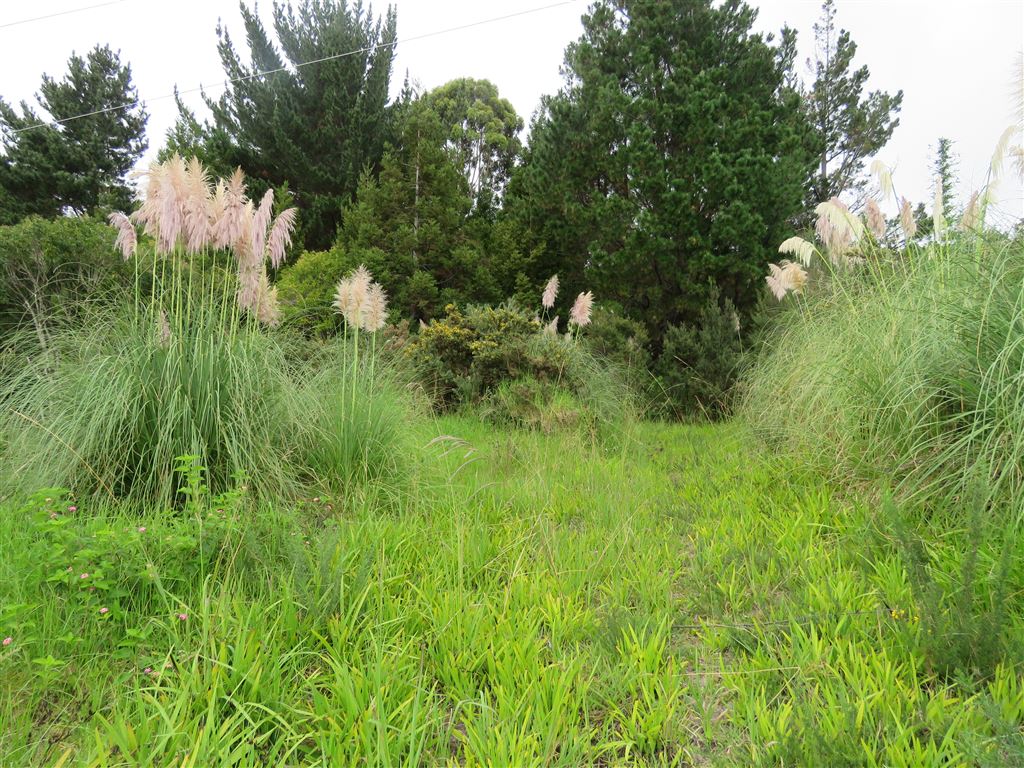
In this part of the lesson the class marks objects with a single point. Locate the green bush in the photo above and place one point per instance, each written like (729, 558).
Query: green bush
(305, 291)
(699, 364)
(48, 267)
(622, 341)
(464, 355)
(499, 358)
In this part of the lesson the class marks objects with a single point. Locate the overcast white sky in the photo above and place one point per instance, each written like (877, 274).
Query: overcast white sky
(953, 59)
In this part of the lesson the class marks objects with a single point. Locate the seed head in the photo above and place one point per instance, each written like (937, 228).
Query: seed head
(580, 312)
(547, 300)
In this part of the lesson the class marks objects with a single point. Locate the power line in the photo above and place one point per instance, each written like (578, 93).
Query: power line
(254, 75)
(61, 13)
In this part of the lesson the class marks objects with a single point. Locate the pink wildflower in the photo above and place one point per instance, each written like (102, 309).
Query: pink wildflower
(147, 671)
(8, 641)
(183, 617)
(84, 576)
(142, 529)
(72, 508)
(104, 610)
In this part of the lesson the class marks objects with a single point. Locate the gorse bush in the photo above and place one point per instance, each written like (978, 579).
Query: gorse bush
(519, 368)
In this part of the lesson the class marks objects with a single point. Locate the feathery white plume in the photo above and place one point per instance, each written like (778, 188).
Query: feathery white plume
(127, 241)
(550, 293)
(580, 312)
(797, 246)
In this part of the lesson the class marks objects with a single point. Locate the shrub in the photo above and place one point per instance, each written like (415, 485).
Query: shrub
(623, 342)
(498, 356)
(50, 266)
(699, 364)
(306, 291)
(465, 355)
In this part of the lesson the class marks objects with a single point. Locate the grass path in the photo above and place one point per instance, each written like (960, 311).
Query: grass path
(674, 599)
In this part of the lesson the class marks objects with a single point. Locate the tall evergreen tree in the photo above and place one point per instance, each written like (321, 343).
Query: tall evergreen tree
(670, 160)
(414, 228)
(48, 167)
(313, 121)
(945, 167)
(851, 125)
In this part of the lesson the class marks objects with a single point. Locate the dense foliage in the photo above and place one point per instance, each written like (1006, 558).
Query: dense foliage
(50, 267)
(317, 127)
(72, 157)
(672, 157)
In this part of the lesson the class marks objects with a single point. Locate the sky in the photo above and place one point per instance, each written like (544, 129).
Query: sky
(953, 59)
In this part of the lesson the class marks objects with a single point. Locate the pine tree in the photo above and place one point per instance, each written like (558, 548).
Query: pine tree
(50, 167)
(850, 125)
(317, 126)
(669, 162)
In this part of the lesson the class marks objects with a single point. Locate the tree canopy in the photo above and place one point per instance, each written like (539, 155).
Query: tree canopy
(669, 161)
(317, 126)
(49, 167)
(850, 125)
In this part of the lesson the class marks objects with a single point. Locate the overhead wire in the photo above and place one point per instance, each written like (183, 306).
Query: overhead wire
(321, 60)
(19, 22)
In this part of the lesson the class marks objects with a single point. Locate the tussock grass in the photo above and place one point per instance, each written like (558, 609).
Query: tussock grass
(111, 404)
(911, 369)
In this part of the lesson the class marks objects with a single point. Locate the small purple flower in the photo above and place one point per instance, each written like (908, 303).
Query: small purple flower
(8, 641)
(147, 671)
(72, 508)
(182, 617)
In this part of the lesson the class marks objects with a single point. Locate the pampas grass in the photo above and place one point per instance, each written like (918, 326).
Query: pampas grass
(785, 278)
(547, 299)
(802, 249)
(579, 315)
(108, 407)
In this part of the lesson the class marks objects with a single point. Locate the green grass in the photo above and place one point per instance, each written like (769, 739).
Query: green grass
(108, 406)
(673, 598)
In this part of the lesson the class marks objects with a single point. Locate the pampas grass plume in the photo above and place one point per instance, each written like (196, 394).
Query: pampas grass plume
(907, 220)
(127, 241)
(883, 175)
(797, 246)
(785, 277)
(875, 219)
(281, 236)
(580, 312)
(550, 293)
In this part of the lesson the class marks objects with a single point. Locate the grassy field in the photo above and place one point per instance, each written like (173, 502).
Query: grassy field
(672, 598)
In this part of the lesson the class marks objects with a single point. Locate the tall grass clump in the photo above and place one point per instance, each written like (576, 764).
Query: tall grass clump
(193, 365)
(902, 363)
